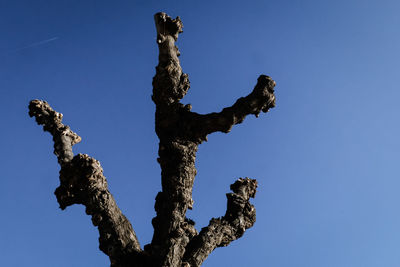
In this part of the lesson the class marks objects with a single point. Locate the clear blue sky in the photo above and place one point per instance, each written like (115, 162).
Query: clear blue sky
(326, 158)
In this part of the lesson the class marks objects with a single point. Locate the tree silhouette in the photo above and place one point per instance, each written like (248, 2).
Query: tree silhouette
(175, 240)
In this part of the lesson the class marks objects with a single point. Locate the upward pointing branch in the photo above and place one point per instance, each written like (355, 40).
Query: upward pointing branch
(64, 138)
(82, 182)
(240, 215)
(170, 84)
(180, 132)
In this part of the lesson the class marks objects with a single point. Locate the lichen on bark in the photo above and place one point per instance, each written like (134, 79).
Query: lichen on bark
(175, 241)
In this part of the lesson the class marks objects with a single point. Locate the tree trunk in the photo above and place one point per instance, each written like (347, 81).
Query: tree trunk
(175, 241)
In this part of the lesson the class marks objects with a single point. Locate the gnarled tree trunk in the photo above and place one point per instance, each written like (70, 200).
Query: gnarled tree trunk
(175, 241)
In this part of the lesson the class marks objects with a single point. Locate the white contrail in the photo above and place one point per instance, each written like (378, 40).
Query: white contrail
(37, 44)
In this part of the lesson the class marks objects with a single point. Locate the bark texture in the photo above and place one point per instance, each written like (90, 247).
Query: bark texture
(82, 182)
(175, 241)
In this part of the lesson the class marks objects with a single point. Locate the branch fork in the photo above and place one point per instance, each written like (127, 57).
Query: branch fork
(175, 241)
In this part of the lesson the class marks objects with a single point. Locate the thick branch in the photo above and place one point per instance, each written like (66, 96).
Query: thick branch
(262, 98)
(172, 230)
(180, 132)
(240, 215)
(82, 182)
(169, 84)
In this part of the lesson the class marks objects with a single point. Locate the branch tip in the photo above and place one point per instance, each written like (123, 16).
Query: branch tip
(240, 215)
(167, 26)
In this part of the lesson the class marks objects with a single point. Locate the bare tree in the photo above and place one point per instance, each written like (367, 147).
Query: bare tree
(175, 241)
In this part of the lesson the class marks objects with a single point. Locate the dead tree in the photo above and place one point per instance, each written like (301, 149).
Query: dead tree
(175, 241)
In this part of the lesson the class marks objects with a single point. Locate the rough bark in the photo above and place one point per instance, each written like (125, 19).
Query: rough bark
(175, 241)
(240, 215)
(82, 182)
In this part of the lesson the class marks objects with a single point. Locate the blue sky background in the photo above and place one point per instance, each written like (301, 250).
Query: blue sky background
(326, 157)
